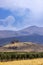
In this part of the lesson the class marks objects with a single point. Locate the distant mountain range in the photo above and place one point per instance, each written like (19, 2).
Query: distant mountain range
(32, 30)
(29, 34)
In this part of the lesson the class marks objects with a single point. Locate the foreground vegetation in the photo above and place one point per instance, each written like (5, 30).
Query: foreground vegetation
(7, 56)
(24, 62)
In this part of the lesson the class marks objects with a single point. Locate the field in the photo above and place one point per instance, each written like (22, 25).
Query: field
(26, 54)
(24, 62)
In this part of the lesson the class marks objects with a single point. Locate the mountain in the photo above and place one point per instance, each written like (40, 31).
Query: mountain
(7, 33)
(32, 30)
(27, 31)
(29, 34)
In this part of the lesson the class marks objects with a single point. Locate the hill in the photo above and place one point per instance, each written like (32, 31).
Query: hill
(22, 47)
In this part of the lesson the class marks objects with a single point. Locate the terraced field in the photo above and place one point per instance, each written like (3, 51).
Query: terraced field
(24, 62)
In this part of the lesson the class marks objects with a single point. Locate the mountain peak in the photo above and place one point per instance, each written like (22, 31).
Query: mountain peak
(33, 26)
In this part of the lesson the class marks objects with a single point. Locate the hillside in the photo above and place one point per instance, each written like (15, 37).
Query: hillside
(22, 47)
(7, 33)
(30, 38)
(30, 34)
(32, 30)
(24, 32)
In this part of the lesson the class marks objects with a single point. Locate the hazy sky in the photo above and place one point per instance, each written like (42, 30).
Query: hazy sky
(18, 14)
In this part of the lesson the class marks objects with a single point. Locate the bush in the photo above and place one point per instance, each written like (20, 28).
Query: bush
(16, 55)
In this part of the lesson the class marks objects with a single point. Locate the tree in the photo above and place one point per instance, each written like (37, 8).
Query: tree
(12, 42)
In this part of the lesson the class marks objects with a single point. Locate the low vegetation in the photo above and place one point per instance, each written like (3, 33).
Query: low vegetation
(7, 56)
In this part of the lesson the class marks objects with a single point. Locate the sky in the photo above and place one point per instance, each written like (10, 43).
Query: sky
(19, 14)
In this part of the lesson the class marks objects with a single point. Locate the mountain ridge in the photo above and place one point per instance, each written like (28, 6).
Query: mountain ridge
(26, 31)
(30, 34)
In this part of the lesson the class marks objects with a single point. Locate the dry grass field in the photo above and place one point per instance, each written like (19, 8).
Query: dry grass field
(22, 47)
(24, 62)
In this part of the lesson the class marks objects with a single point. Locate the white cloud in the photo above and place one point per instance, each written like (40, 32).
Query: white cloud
(10, 20)
(7, 23)
(8, 28)
(35, 5)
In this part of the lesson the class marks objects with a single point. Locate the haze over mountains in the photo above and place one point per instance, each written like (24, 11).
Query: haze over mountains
(32, 30)
(29, 34)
